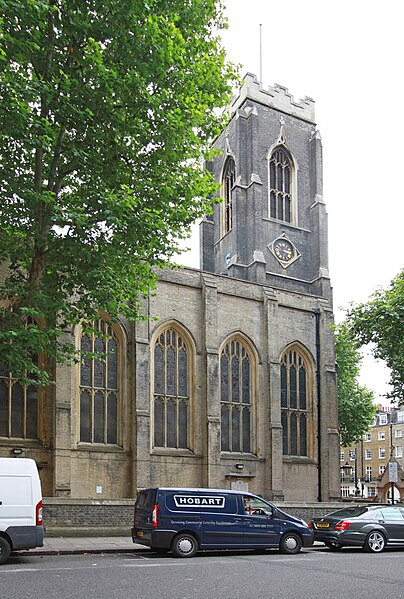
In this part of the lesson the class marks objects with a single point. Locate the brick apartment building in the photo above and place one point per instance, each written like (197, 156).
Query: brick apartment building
(364, 464)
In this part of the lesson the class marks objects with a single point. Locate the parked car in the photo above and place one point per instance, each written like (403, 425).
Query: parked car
(372, 527)
(186, 520)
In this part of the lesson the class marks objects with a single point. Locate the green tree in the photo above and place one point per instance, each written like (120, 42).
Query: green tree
(107, 111)
(380, 322)
(355, 402)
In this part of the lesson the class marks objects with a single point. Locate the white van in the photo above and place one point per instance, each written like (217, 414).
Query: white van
(21, 525)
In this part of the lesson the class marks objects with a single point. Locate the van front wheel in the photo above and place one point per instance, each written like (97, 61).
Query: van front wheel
(184, 545)
(290, 543)
(5, 550)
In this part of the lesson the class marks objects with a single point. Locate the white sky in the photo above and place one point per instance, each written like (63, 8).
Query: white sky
(348, 57)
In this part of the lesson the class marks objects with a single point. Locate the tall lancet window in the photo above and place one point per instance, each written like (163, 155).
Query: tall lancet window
(20, 404)
(171, 390)
(236, 397)
(280, 180)
(228, 180)
(99, 385)
(19, 407)
(295, 403)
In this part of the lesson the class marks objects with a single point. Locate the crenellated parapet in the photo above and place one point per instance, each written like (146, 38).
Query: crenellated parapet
(277, 97)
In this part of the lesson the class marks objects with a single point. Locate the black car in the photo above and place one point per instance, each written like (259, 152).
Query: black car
(372, 527)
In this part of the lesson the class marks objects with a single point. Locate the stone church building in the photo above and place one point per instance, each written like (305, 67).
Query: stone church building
(230, 382)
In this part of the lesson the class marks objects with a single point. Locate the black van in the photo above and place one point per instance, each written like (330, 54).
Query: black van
(186, 520)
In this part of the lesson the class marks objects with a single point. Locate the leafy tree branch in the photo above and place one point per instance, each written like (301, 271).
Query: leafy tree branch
(107, 111)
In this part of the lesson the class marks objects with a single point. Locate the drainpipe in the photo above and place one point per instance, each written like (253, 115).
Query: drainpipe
(318, 380)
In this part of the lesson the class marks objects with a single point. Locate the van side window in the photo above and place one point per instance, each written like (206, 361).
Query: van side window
(256, 507)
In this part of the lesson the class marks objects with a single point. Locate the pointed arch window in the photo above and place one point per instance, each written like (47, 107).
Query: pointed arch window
(19, 403)
(228, 180)
(100, 393)
(280, 182)
(236, 397)
(19, 408)
(294, 403)
(171, 389)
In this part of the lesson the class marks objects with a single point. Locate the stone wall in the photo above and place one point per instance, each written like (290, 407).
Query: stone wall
(82, 517)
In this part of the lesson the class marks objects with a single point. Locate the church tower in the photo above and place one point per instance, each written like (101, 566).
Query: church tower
(271, 226)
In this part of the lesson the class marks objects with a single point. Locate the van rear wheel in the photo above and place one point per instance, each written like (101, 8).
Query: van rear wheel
(184, 545)
(5, 550)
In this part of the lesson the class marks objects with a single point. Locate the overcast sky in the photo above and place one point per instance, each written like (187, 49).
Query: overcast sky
(347, 56)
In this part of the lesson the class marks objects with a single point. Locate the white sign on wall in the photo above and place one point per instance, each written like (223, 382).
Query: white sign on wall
(393, 472)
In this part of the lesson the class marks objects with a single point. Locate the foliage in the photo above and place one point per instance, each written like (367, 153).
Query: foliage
(107, 111)
(355, 402)
(380, 322)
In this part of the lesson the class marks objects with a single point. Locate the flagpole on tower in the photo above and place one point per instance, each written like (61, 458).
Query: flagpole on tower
(261, 53)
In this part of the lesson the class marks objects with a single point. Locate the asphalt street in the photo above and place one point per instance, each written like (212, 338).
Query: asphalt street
(313, 574)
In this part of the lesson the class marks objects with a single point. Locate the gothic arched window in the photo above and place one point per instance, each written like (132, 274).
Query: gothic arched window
(295, 401)
(280, 182)
(99, 385)
(19, 403)
(228, 180)
(19, 408)
(171, 389)
(236, 397)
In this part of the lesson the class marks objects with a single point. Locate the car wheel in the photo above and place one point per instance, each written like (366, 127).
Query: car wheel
(290, 543)
(375, 542)
(333, 545)
(184, 545)
(5, 550)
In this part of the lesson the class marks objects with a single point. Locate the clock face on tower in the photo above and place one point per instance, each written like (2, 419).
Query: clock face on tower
(284, 250)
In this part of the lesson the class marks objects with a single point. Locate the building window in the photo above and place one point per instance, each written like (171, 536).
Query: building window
(400, 416)
(368, 473)
(368, 454)
(228, 180)
(352, 454)
(99, 385)
(382, 469)
(295, 401)
(383, 418)
(399, 452)
(382, 453)
(368, 436)
(341, 456)
(381, 435)
(236, 397)
(398, 433)
(171, 389)
(19, 408)
(371, 491)
(280, 177)
(344, 491)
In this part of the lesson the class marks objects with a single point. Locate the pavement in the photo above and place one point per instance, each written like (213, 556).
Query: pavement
(72, 545)
(82, 545)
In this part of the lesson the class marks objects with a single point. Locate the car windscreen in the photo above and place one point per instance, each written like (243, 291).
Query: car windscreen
(348, 512)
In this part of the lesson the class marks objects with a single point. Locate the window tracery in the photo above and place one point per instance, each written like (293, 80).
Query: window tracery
(236, 397)
(171, 389)
(295, 399)
(99, 385)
